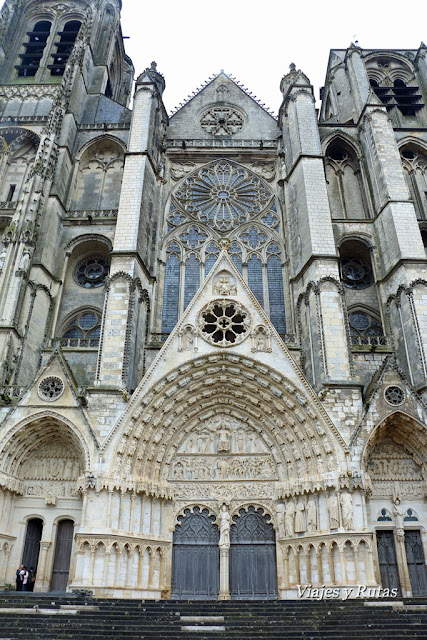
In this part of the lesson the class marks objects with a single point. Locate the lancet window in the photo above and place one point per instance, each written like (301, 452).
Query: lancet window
(223, 199)
(414, 160)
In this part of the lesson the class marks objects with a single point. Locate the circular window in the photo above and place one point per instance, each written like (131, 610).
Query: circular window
(356, 274)
(222, 121)
(394, 395)
(223, 195)
(91, 272)
(224, 323)
(51, 388)
(83, 330)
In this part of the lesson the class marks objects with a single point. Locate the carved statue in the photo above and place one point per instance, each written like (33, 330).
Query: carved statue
(280, 515)
(224, 286)
(299, 517)
(224, 536)
(333, 512)
(398, 513)
(347, 511)
(311, 514)
(24, 262)
(223, 439)
(290, 518)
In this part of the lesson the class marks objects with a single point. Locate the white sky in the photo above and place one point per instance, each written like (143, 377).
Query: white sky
(255, 41)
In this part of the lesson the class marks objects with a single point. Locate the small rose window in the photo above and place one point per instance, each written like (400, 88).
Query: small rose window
(224, 323)
(91, 272)
(51, 388)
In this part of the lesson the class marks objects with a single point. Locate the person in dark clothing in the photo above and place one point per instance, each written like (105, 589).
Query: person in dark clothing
(31, 579)
(20, 573)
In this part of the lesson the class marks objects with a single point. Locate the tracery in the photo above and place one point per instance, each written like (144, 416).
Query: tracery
(217, 200)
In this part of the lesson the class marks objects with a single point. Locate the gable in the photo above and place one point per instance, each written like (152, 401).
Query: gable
(222, 109)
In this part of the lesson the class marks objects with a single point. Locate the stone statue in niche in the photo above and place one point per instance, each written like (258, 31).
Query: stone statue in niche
(333, 511)
(311, 514)
(261, 340)
(299, 517)
(280, 517)
(347, 511)
(224, 286)
(290, 519)
(188, 339)
(224, 536)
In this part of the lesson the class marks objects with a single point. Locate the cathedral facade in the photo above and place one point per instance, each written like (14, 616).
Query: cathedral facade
(213, 325)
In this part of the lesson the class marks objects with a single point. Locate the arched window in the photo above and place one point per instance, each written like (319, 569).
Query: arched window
(344, 180)
(223, 198)
(393, 81)
(34, 49)
(67, 38)
(365, 328)
(414, 160)
(356, 267)
(20, 148)
(99, 177)
(83, 329)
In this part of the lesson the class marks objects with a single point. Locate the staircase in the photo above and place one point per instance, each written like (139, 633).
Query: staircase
(68, 617)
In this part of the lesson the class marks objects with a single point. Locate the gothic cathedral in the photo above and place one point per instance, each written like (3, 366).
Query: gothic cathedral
(213, 325)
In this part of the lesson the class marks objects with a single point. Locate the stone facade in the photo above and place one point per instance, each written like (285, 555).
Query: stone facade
(216, 317)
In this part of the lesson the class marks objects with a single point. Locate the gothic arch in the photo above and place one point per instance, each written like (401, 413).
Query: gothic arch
(289, 425)
(404, 430)
(20, 441)
(98, 174)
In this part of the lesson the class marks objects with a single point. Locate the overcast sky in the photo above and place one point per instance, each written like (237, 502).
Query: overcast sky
(255, 41)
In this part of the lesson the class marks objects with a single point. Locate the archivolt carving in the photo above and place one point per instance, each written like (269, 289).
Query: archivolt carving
(394, 458)
(24, 444)
(248, 393)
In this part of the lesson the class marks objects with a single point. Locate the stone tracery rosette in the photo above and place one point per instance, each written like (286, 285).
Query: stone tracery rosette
(222, 121)
(223, 194)
(224, 323)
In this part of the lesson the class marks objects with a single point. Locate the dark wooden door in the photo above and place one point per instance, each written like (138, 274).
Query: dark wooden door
(387, 560)
(195, 557)
(416, 562)
(61, 562)
(33, 536)
(253, 573)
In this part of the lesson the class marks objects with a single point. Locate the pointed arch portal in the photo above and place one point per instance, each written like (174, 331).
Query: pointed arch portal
(195, 556)
(253, 572)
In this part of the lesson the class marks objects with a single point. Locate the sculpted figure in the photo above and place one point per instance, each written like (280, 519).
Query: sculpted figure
(280, 515)
(347, 511)
(311, 514)
(299, 517)
(334, 516)
(223, 439)
(2, 258)
(224, 287)
(398, 513)
(224, 536)
(290, 518)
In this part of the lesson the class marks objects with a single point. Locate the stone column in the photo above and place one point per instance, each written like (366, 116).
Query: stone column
(42, 580)
(224, 577)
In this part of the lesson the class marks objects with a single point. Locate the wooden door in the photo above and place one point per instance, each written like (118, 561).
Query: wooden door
(61, 562)
(253, 573)
(33, 536)
(195, 557)
(387, 560)
(416, 562)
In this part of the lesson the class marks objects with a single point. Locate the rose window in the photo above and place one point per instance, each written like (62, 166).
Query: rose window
(394, 395)
(51, 388)
(224, 323)
(356, 273)
(224, 195)
(91, 272)
(222, 121)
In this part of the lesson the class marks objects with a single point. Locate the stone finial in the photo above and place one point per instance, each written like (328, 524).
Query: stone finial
(292, 68)
(154, 66)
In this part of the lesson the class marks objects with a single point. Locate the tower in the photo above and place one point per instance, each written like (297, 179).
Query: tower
(211, 322)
